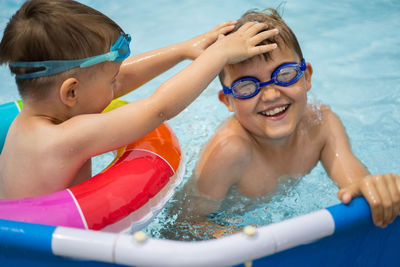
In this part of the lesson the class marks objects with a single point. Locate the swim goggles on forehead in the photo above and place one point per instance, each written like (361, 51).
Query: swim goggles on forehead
(118, 52)
(284, 75)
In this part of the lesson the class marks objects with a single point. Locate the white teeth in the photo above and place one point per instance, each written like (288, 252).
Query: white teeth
(274, 111)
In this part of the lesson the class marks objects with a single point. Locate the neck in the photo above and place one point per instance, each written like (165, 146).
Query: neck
(48, 109)
(277, 145)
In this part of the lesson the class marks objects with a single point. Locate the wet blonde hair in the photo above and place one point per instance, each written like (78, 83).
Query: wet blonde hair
(271, 17)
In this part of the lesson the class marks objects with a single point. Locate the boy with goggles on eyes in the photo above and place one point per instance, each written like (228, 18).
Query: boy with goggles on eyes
(275, 135)
(69, 62)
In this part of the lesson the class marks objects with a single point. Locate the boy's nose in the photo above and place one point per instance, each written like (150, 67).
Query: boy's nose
(270, 92)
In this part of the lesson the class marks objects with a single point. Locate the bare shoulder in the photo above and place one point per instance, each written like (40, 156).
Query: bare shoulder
(320, 117)
(327, 112)
(330, 118)
(223, 162)
(332, 129)
(229, 144)
(50, 143)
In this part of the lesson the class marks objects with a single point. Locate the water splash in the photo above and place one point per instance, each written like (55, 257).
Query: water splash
(292, 197)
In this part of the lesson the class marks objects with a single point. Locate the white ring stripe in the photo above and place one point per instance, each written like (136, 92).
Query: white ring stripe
(77, 204)
(139, 149)
(79, 209)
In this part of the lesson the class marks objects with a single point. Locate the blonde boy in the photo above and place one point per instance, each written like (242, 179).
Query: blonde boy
(275, 135)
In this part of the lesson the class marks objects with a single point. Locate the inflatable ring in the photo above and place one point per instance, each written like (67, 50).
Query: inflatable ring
(126, 195)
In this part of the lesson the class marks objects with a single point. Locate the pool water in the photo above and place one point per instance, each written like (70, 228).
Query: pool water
(353, 47)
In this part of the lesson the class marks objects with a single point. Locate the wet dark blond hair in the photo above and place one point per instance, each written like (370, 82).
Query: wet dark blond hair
(271, 17)
(54, 30)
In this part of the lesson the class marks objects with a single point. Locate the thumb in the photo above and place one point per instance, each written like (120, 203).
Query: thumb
(346, 194)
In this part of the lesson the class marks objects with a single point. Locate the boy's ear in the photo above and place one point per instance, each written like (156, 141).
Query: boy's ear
(69, 92)
(308, 74)
(225, 99)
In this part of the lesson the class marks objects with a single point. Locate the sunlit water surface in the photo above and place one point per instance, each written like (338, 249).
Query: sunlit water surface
(353, 47)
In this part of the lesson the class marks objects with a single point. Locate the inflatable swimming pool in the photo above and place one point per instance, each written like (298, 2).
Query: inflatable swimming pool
(337, 236)
(125, 196)
(358, 76)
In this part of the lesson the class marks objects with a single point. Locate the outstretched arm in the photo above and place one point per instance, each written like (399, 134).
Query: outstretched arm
(137, 70)
(132, 121)
(382, 192)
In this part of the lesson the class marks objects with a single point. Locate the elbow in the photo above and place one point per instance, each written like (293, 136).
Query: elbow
(163, 116)
(159, 113)
(163, 108)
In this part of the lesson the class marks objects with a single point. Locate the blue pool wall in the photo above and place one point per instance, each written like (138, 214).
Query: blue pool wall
(355, 242)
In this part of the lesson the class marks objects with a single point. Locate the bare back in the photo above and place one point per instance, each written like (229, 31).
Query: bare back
(35, 146)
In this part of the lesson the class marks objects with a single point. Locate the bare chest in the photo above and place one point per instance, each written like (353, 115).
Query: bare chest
(265, 172)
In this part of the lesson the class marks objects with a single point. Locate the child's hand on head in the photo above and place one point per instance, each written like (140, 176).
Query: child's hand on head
(243, 43)
(198, 44)
(382, 192)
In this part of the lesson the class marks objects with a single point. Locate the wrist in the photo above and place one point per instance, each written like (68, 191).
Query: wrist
(180, 50)
(218, 53)
(184, 49)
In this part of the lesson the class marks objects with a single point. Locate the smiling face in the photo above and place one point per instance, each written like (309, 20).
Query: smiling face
(276, 110)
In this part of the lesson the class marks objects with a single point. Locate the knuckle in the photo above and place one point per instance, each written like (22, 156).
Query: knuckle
(374, 204)
(387, 204)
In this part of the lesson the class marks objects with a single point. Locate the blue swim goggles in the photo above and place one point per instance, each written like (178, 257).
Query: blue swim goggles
(118, 52)
(284, 75)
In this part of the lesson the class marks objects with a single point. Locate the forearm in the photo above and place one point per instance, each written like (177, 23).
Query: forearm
(349, 174)
(137, 70)
(195, 207)
(179, 91)
(345, 169)
(194, 213)
(132, 121)
(338, 159)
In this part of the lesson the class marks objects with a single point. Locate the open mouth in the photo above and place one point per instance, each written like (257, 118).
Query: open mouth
(275, 112)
